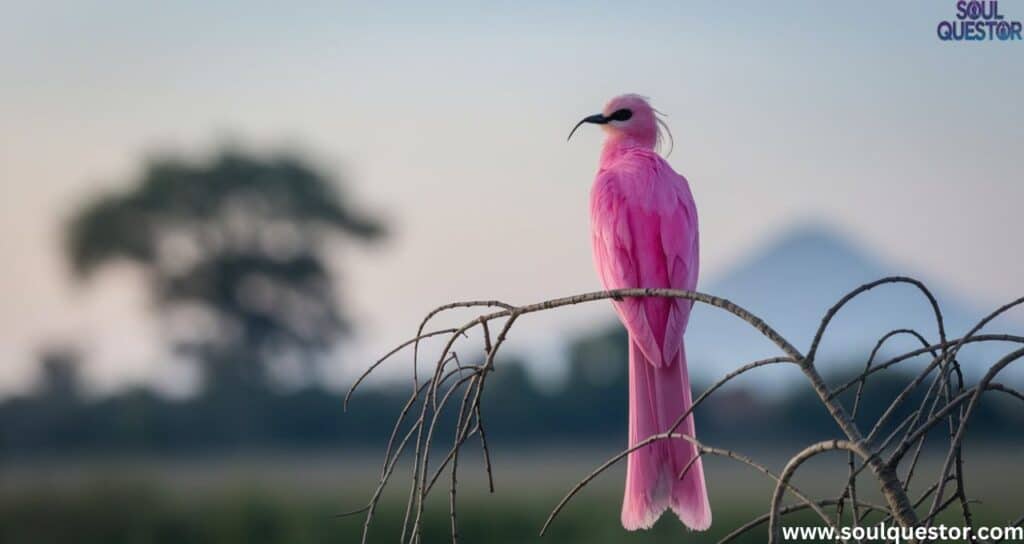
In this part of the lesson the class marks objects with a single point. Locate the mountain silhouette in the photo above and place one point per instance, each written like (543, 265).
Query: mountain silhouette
(792, 280)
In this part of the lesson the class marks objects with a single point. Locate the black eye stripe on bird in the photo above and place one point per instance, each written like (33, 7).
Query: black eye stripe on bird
(621, 115)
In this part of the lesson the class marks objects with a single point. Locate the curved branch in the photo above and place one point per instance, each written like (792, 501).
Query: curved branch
(865, 288)
(760, 520)
(701, 449)
(914, 353)
(774, 529)
(972, 404)
(387, 356)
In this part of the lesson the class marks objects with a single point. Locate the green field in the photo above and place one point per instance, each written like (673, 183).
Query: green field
(294, 499)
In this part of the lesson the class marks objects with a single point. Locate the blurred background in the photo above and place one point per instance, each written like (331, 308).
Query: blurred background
(213, 218)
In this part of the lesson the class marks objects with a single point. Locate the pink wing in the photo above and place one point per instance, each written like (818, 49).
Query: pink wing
(679, 240)
(645, 235)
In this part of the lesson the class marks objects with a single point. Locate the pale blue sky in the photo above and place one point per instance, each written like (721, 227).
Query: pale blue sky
(451, 120)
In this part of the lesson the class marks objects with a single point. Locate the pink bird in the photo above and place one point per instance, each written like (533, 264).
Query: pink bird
(644, 234)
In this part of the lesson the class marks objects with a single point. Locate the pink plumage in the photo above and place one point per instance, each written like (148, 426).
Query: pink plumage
(644, 233)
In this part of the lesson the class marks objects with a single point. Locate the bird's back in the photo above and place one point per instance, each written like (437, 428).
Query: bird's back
(644, 234)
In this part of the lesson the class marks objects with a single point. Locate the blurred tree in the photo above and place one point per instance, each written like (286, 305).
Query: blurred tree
(237, 245)
(59, 381)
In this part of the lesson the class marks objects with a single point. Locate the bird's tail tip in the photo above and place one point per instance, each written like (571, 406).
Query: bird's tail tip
(636, 517)
(695, 516)
(694, 512)
(690, 496)
(686, 497)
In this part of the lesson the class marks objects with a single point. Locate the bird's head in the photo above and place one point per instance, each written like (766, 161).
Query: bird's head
(628, 119)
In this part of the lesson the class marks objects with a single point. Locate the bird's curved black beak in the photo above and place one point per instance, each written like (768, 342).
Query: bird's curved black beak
(597, 119)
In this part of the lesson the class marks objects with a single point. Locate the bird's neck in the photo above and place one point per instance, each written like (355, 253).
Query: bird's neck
(615, 146)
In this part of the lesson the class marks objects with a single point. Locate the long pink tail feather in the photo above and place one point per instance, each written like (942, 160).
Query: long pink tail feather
(657, 397)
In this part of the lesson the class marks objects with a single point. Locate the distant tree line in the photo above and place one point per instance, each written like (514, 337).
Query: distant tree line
(591, 409)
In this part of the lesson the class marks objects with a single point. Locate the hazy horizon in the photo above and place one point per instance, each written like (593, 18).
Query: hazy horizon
(450, 120)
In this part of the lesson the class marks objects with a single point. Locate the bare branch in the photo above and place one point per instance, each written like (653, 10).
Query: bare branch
(946, 399)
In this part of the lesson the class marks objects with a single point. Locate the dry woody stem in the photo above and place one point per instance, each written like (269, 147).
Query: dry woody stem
(455, 390)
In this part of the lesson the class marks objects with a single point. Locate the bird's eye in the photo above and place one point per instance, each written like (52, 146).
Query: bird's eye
(621, 115)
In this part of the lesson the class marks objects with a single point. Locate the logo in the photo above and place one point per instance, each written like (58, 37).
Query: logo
(979, 20)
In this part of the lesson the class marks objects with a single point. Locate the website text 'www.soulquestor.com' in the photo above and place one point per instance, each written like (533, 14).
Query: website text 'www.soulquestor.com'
(895, 533)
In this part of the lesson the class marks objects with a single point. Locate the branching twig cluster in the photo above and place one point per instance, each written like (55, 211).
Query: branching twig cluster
(948, 401)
